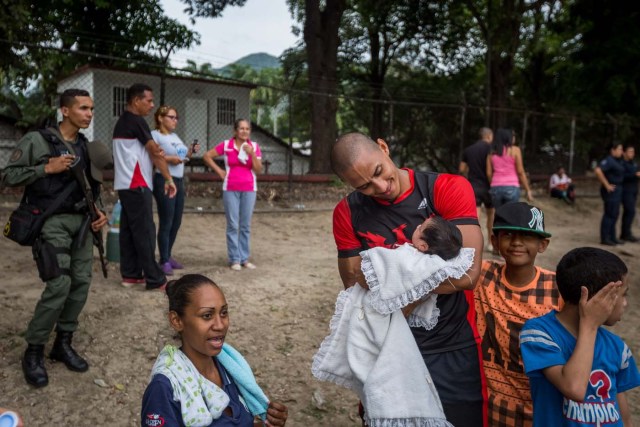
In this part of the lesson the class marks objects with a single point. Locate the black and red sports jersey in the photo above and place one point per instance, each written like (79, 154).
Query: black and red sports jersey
(361, 222)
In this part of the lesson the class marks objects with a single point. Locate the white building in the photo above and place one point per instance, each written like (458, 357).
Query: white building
(207, 108)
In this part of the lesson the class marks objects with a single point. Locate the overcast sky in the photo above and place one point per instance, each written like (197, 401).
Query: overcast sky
(258, 26)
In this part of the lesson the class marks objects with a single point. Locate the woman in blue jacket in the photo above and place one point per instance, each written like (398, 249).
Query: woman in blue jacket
(205, 382)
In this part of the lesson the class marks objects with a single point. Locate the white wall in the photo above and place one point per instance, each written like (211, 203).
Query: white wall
(83, 81)
(195, 100)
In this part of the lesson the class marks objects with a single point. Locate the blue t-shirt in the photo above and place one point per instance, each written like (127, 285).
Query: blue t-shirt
(544, 342)
(160, 409)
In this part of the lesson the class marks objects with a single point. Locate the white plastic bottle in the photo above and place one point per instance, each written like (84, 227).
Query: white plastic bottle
(113, 236)
(114, 222)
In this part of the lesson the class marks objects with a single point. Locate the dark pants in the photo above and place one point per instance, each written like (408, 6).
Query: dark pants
(138, 237)
(169, 215)
(63, 297)
(457, 376)
(629, 198)
(569, 193)
(612, 202)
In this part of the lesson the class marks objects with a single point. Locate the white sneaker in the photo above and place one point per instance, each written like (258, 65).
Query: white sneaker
(249, 265)
(129, 283)
(236, 267)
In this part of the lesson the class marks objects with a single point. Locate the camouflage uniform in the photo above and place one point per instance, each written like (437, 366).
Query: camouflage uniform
(64, 296)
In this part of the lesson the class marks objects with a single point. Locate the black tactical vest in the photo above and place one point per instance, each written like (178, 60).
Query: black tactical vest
(44, 191)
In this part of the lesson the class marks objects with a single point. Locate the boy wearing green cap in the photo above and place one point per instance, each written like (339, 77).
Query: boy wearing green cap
(506, 295)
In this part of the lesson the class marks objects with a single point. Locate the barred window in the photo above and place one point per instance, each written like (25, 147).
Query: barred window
(119, 100)
(226, 111)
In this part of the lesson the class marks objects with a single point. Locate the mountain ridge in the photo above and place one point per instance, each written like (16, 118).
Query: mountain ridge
(257, 61)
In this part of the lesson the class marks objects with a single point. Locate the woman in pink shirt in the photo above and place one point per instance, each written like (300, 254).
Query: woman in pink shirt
(242, 160)
(505, 170)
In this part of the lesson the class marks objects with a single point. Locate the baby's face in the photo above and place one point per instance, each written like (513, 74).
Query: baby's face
(417, 239)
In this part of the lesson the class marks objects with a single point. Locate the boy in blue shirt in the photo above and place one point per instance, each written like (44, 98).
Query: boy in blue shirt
(578, 371)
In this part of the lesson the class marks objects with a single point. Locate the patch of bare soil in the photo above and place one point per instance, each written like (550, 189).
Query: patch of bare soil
(279, 312)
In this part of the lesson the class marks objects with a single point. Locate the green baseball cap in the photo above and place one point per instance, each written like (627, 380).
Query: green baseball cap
(520, 216)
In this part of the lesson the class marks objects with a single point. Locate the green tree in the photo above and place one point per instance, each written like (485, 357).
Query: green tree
(296, 81)
(119, 33)
(534, 87)
(377, 34)
(501, 28)
(209, 8)
(605, 59)
(205, 69)
(14, 32)
(269, 100)
(321, 24)
(62, 35)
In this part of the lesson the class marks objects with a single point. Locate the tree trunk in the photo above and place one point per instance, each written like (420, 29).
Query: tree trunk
(377, 71)
(501, 69)
(536, 81)
(322, 40)
(501, 30)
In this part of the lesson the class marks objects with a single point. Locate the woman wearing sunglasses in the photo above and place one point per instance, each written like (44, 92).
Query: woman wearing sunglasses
(170, 209)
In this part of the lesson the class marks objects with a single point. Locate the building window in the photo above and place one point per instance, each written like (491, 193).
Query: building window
(119, 100)
(226, 111)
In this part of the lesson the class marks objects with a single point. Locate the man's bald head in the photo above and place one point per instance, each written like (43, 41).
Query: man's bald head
(348, 148)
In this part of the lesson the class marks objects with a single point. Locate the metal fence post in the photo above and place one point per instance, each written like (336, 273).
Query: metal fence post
(290, 150)
(463, 118)
(572, 143)
(525, 125)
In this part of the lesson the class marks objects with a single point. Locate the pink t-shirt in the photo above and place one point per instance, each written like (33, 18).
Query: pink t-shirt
(504, 170)
(240, 176)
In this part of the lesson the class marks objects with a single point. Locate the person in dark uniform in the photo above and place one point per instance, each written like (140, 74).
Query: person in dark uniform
(474, 167)
(41, 162)
(629, 193)
(610, 173)
(388, 204)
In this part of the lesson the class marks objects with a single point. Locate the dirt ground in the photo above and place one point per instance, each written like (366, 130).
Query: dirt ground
(279, 312)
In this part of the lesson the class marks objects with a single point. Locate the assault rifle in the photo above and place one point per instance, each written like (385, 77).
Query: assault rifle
(78, 172)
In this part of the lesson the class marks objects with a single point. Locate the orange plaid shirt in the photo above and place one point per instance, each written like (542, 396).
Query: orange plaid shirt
(501, 311)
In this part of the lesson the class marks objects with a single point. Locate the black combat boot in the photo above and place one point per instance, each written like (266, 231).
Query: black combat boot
(33, 366)
(63, 352)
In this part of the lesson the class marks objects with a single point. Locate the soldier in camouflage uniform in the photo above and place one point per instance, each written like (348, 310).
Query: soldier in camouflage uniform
(41, 163)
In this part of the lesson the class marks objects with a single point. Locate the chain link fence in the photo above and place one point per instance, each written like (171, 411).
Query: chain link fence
(9, 136)
(433, 136)
(424, 135)
(207, 110)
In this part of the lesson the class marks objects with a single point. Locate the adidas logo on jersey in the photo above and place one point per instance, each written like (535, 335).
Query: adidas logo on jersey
(423, 204)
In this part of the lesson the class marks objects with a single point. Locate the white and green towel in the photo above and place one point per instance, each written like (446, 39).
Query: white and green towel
(202, 401)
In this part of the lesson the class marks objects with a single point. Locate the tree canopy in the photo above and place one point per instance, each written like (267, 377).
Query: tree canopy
(44, 41)
(440, 70)
(209, 8)
(424, 74)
